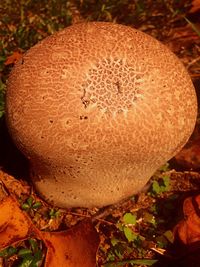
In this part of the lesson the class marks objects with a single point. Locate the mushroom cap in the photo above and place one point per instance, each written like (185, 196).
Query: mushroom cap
(97, 108)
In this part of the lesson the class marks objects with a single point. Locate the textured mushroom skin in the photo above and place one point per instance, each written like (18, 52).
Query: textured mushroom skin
(97, 108)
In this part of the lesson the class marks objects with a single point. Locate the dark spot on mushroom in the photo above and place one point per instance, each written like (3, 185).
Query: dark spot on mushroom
(85, 103)
(83, 117)
(51, 121)
(119, 91)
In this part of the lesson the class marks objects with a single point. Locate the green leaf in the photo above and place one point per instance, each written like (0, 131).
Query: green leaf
(33, 244)
(148, 217)
(53, 213)
(129, 234)
(8, 252)
(119, 254)
(26, 262)
(38, 255)
(110, 256)
(114, 241)
(119, 226)
(24, 252)
(165, 167)
(129, 218)
(169, 235)
(30, 201)
(156, 187)
(166, 181)
(37, 205)
(57, 213)
(160, 186)
(162, 241)
(25, 206)
(37, 258)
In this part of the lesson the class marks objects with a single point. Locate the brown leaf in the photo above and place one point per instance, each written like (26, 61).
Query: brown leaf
(195, 6)
(14, 186)
(188, 229)
(74, 247)
(13, 58)
(14, 223)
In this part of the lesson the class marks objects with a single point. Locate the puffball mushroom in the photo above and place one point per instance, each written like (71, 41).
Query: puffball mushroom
(97, 108)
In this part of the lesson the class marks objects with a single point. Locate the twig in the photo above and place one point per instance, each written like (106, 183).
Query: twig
(88, 216)
(193, 62)
(195, 75)
(105, 211)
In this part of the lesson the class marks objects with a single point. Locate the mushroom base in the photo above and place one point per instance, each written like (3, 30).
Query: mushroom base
(61, 192)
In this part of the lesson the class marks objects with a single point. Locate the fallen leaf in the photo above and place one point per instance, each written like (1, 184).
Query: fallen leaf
(74, 247)
(14, 223)
(14, 186)
(188, 229)
(13, 58)
(2, 193)
(195, 6)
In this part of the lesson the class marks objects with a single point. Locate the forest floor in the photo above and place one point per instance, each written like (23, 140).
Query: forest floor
(141, 229)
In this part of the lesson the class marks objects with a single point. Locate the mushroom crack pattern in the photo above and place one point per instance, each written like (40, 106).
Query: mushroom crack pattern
(113, 85)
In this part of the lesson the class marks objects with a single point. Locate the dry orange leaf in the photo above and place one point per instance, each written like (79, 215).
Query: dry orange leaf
(188, 229)
(13, 58)
(71, 248)
(195, 6)
(14, 223)
(15, 187)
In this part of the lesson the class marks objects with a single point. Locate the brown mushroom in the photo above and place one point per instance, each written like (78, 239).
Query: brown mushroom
(97, 108)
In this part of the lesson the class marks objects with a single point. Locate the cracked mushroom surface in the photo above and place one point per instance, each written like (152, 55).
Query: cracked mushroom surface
(97, 108)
